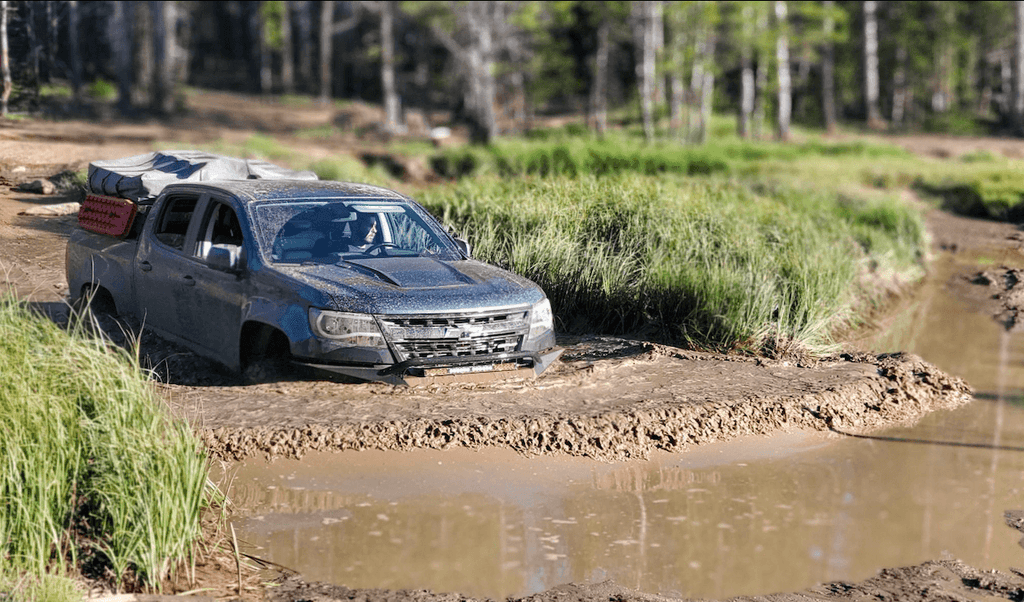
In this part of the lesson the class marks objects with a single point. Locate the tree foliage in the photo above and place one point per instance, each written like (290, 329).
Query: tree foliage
(497, 64)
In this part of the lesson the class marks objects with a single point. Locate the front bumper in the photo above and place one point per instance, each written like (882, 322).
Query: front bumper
(418, 371)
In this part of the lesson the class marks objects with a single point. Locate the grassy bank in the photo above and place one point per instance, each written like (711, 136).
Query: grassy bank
(95, 476)
(978, 184)
(718, 264)
(561, 154)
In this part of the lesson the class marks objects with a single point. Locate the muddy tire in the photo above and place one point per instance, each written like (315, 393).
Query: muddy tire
(267, 370)
(94, 311)
(265, 356)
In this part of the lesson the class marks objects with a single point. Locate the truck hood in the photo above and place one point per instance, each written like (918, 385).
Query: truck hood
(410, 285)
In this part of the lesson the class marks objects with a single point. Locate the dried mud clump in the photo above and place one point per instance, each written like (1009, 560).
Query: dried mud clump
(851, 393)
(1006, 287)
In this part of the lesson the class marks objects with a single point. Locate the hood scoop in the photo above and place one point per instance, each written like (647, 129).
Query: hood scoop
(412, 272)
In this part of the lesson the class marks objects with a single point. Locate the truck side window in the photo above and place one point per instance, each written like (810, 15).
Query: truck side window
(220, 230)
(173, 223)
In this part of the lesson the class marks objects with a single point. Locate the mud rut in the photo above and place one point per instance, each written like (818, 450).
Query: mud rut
(608, 399)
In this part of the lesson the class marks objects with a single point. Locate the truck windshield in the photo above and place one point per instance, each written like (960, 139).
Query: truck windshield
(333, 231)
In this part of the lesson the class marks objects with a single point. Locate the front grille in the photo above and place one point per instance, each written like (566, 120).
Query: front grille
(459, 337)
(457, 349)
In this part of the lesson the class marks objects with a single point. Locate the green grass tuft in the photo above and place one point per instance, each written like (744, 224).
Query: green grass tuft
(93, 470)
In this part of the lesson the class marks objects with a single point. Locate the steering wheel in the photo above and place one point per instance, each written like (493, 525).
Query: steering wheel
(379, 247)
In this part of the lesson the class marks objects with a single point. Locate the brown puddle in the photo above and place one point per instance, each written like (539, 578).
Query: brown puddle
(754, 516)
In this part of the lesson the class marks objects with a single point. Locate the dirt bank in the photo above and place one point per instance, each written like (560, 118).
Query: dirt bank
(612, 409)
(942, 580)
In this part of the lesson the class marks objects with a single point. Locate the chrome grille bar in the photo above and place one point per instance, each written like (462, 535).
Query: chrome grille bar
(460, 336)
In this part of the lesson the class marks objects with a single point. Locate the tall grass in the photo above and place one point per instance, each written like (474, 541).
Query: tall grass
(93, 470)
(992, 188)
(718, 264)
(573, 154)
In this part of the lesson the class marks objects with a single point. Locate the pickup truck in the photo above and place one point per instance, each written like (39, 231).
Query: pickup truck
(349, 278)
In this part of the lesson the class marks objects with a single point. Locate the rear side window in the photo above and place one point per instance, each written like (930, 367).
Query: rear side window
(174, 220)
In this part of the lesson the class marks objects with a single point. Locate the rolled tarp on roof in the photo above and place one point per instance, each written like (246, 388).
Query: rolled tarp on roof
(144, 176)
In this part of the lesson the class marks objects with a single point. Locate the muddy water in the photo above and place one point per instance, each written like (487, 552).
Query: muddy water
(749, 517)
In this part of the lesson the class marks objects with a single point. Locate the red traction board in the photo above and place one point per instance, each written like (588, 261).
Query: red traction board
(107, 215)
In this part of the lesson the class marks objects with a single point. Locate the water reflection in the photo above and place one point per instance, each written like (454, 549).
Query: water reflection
(749, 517)
(725, 522)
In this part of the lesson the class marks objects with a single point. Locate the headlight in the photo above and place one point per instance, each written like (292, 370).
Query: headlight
(346, 329)
(541, 319)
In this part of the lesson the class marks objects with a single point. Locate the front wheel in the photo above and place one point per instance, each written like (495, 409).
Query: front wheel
(266, 370)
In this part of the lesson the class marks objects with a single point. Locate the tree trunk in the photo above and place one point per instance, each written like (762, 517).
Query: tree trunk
(76, 57)
(678, 97)
(326, 38)
(828, 66)
(1018, 66)
(1007, 86)
(144, 76)
(34, 48)
(259, 51)
(51, 47)
(120, 34)
(746, 107)
(899, 86)
(706, 98)
(387, 40)
(760, 78)
(696, 87)
(5, 60)
(871, 93)
(782, 57)
(658, 39)
(164, 56)
(599, 94)
(645, 67)
(488, 89)
(287, 54)
(305, 47)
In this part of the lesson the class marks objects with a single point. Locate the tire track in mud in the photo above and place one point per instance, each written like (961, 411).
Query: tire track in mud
(889, 389)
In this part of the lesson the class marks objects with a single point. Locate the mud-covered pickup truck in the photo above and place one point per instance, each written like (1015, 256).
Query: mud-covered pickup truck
(261, 268)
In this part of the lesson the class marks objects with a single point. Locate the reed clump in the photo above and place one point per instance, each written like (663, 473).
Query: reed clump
(717, 264)
(95, 476)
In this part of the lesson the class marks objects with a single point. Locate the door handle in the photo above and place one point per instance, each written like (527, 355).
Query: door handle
(189, 281)
(145, 266)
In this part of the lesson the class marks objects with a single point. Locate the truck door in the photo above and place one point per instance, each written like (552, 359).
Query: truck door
(212, 309)
(164, 271)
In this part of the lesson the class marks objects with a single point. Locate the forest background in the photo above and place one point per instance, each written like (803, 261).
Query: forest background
(952, 67)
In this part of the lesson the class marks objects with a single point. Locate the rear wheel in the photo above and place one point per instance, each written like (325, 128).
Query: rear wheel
(94, 311)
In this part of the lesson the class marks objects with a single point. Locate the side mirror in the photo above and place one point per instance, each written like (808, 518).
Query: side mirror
(224, 259)
(463, 246)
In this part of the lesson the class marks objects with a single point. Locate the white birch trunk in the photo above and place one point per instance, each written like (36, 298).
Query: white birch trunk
(785, 87)
(647, 67)
(871, 88)
(828, 65)
(5, 60)
(760, 78)
(599, 95)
